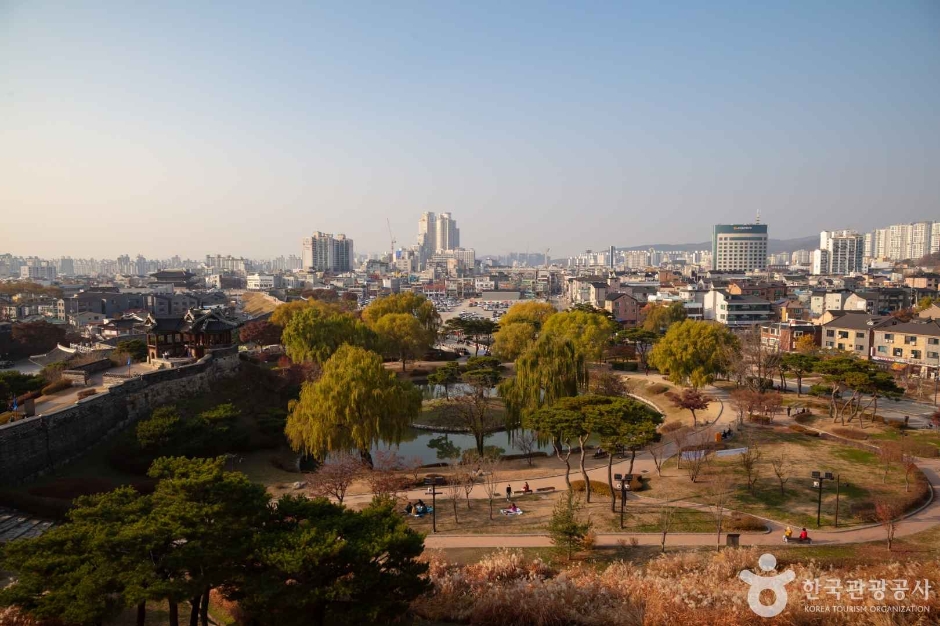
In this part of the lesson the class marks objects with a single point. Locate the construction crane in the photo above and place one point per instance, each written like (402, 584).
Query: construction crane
(392, 237)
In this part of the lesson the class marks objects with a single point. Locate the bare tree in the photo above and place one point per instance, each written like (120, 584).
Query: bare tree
(469, 467)
(770, 403)
(719, 493)
(678, 438)
(454, 487)
(607, 384)
(335, 476)
(888, 452)
(384, 478)
(909, 463)
(756, 363)
(887, 513)
(745, 401)
(658, 453)
(665, 521)
(782, 467)
(413, 466)
(491, 479)
(696, 461)
(526, 443)
(749, 460)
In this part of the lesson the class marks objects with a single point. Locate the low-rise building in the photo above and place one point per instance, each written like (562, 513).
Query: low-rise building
(783, 336)
(625, 308)
(915, 344)
(736, 311)
(850, 332)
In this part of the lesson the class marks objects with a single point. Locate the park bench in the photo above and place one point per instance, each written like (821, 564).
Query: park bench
(545, 489)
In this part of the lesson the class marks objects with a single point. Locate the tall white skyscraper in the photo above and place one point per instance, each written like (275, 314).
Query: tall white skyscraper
(448, 235)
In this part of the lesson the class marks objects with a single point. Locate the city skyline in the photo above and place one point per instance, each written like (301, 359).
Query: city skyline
(233, 128)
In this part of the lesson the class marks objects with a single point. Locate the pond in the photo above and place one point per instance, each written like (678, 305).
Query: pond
(415, 443)
(435, 392)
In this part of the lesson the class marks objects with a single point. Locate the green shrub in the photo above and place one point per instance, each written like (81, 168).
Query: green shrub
(820, 390)
(220, 414)
(58, 385)
(160, 429)
(5, 417)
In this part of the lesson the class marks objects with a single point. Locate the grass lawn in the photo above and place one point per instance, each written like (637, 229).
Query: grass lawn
(860, 480)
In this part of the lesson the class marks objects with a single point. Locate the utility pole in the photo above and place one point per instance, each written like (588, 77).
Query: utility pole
(838, 484)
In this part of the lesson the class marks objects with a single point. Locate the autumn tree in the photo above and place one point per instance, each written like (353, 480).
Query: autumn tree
(401, 336)
(316, 333)
(284, 313)
(659, 317)
(806, 345)
(519, 328)
(690, 399)
(693, 352)
(355, 404)
(406, 302)
(533, 312)
(888, 512)
(31, 338)
(260, 332)
(588, 332)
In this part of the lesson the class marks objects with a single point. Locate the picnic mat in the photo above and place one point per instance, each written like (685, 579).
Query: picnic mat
(508, 512)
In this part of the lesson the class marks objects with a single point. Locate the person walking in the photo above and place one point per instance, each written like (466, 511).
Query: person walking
(508, 492)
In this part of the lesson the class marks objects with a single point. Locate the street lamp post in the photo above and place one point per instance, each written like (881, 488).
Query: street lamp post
(819, 478)
(623, 496)
(433, 482)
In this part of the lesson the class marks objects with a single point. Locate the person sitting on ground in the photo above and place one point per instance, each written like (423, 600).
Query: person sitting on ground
(804, 535)
(788, 533)
(409, 508)
(525, 488)
(513, 508)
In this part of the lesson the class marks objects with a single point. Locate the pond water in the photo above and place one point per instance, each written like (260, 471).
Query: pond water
(435, 392)
(415, 443)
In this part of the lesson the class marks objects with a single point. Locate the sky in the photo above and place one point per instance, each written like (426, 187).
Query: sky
(179, 127)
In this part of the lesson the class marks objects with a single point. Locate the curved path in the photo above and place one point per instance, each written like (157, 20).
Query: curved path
(920, 520)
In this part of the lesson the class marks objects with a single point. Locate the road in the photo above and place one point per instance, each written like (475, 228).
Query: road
(918, 412)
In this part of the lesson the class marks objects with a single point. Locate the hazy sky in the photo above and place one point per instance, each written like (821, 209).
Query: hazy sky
(237, 127)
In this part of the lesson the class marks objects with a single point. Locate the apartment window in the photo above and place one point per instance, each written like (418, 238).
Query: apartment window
(897, 352)
(882, 349)
(915, 354)
(830, 333)
(889, 338)
(933, 355)
(860, 348)
(843, 334)
(828, 344)
(910, 339)
(859, 335)
(933, 341)
(841, 346)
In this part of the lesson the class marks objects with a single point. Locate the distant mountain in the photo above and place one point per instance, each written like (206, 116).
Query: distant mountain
(774, 246)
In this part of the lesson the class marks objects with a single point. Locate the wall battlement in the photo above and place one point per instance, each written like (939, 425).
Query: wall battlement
(36, 445)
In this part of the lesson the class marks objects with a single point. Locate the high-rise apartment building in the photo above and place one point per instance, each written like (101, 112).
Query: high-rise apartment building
(448, 235)
(325, 253)
(427, 234)
(841, 252)
(920, 240)
(739, 247)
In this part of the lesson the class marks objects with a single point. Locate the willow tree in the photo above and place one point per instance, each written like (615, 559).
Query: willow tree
(355, 404)
(694, 353)
(315, 333)
(589, 331)
(551, 369)
(405, 302)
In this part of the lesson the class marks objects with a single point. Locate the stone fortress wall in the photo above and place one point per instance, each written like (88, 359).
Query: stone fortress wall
(36, 445)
